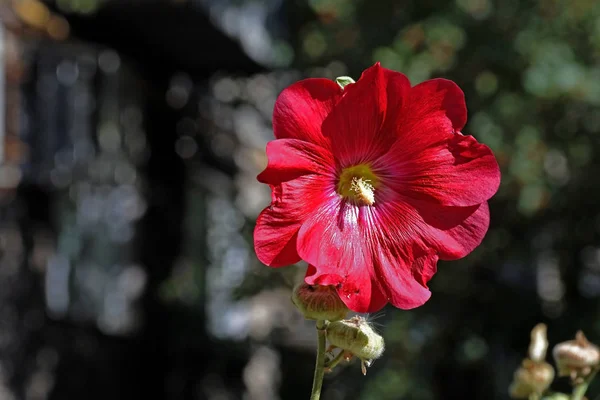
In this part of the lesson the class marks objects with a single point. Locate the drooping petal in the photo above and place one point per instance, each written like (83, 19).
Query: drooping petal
(403, 277)
(348, 287)
(456, 240)
(440, 94)
(290, 158)
(301, 108)
(458, 171)
(275, 239)
(333, 241)
(277, 226)
(407, 239)
(354, 124)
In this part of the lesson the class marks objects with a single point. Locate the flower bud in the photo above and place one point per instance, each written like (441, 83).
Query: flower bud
(356, 336)
(576, 358)
(539, 343)
(319, 302)
(531, 378)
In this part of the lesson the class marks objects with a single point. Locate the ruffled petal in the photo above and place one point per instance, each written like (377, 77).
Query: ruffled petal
(456, 231)
(406, 240)
(275, 239)
(398, 95)
(457, 171)
(333, 241)
(354, 124)
(440, 94)
(370, 256)
(424, 116)
(277, 226)
(415, 226)
(291, 158)
(348, 287)
(403, 276)
(301, 108)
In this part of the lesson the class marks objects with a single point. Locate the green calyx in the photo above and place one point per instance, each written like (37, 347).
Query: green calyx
(319, 302)
(357, 337)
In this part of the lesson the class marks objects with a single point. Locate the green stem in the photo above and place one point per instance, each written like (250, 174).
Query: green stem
(335, 361)
(579, 390)
(320, 364)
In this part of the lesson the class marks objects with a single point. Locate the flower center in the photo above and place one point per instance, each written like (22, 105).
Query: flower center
(358, 183)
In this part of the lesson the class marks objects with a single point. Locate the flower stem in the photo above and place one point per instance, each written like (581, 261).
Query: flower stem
(335, 361)
(320, 364)
(579, 390)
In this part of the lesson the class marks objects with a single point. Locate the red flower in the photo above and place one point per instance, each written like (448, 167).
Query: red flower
(372, 184)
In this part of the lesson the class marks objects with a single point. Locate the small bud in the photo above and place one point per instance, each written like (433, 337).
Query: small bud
(357, 337)
(539, 343)
(343, 81)
(576, 358)
(319, 302)
(531, 378)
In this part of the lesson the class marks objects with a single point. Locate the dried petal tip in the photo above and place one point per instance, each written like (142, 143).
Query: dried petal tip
(539, 343)
(532, 378)
(343, 81)
(576, 358)
(319, 302)
(357, 337)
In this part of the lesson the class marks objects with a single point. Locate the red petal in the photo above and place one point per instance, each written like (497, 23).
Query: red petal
(292, 158)
(301, 108)
(441, 94)
(403, 277)
(354, 125)
(455, 241)
(347, 289)
(277, 226)
(456, 172)
(429, 114)
(398, 94)
(397, 88)
(275, 239)
(414, 226)
(369, 261)
(332, 240)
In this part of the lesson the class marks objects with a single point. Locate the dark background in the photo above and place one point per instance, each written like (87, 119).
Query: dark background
(133, 134)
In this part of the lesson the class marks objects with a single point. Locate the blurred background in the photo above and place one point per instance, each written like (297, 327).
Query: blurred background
(132, 134)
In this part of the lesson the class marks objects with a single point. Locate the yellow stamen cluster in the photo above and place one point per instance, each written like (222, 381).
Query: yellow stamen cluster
(358, 184)
(364, 191)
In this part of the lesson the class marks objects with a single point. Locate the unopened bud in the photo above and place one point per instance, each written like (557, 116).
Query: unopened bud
(531, 378)
(576, 358)
(343, 81)
(356, 336)
(539, 343)
(319, 302)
